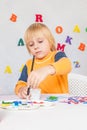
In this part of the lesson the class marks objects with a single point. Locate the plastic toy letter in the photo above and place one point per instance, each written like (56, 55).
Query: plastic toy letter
(8, 70)
(76, 29)
(20, 70)
(68, 40)
(60, 47)
(82, 47)
(77, 65)
(86, 29)
(59, 29)
(20, 43)
(39, 18)
(13, 18)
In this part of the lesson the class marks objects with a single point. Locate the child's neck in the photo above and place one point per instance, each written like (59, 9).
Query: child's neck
(45, 59)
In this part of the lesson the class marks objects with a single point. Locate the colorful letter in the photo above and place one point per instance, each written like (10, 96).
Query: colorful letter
(82, 47)
(86, 29)
(60, 47)
(59, 29)
(39, 18)
(20, 70)
(77, 65)
(13, 18)
(21, 43)
(76, 29)
(68, 39)
(8, 70)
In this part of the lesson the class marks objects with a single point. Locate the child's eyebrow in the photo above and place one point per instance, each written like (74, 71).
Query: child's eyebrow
(40, 38)
(30, 42)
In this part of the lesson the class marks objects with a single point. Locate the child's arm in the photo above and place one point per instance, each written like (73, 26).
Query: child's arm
(61, 66)
(22, 82)
(62, 63)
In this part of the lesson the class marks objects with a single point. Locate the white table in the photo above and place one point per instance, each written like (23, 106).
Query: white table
(62, 116)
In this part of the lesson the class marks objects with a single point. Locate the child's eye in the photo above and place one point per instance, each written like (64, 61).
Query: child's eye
(31, 45)
(40, 41)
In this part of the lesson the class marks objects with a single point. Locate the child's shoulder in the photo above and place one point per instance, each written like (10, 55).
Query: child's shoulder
(59, 52)
(29, 61)
(59, 55)
(56, 52)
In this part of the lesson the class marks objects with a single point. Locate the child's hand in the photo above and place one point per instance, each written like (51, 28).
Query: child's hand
(39, 75)
(23, 92)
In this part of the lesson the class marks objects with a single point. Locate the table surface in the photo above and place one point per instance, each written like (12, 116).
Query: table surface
(62, 116)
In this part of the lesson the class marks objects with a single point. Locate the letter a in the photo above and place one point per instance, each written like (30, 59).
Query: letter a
(76, 29)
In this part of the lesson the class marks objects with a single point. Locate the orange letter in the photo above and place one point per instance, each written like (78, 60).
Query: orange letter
(82, 46)
(13, 18)
(59, 29)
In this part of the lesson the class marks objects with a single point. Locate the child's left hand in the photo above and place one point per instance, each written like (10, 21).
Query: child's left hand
(39, 75)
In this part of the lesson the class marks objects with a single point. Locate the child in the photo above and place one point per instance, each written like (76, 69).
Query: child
(50, 68)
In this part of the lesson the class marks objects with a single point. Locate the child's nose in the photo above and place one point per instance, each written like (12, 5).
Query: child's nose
(36, 46)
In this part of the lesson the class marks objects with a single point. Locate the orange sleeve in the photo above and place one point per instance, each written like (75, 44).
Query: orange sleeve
(62, 66)
(19, 85)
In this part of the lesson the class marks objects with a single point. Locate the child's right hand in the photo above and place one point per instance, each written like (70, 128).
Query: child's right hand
(23, 92)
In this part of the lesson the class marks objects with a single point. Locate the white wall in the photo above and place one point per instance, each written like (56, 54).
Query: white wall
(66, 14)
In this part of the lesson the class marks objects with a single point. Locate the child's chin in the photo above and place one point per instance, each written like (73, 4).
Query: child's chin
(40, 57)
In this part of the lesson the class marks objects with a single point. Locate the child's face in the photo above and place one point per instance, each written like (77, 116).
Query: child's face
(39, 45)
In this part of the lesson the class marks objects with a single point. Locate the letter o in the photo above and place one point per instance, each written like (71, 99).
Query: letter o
(59, 29)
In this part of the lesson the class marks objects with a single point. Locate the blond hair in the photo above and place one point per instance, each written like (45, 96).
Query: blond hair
(33, 28)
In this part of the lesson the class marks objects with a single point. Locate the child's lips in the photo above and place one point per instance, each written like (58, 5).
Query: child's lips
(39, 52)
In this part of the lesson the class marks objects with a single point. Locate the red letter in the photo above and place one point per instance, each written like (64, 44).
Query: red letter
(59, 47)
(39, 18)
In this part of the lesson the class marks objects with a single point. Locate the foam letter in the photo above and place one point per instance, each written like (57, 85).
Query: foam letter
(76, 29)
(21, 43)
(77, 65)
(86, 29)
(82, 47)
(8, 69)
(39, 18)
(20, 70)
(60, 47)
(13, 18)
(59, 29)
(68, 39)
